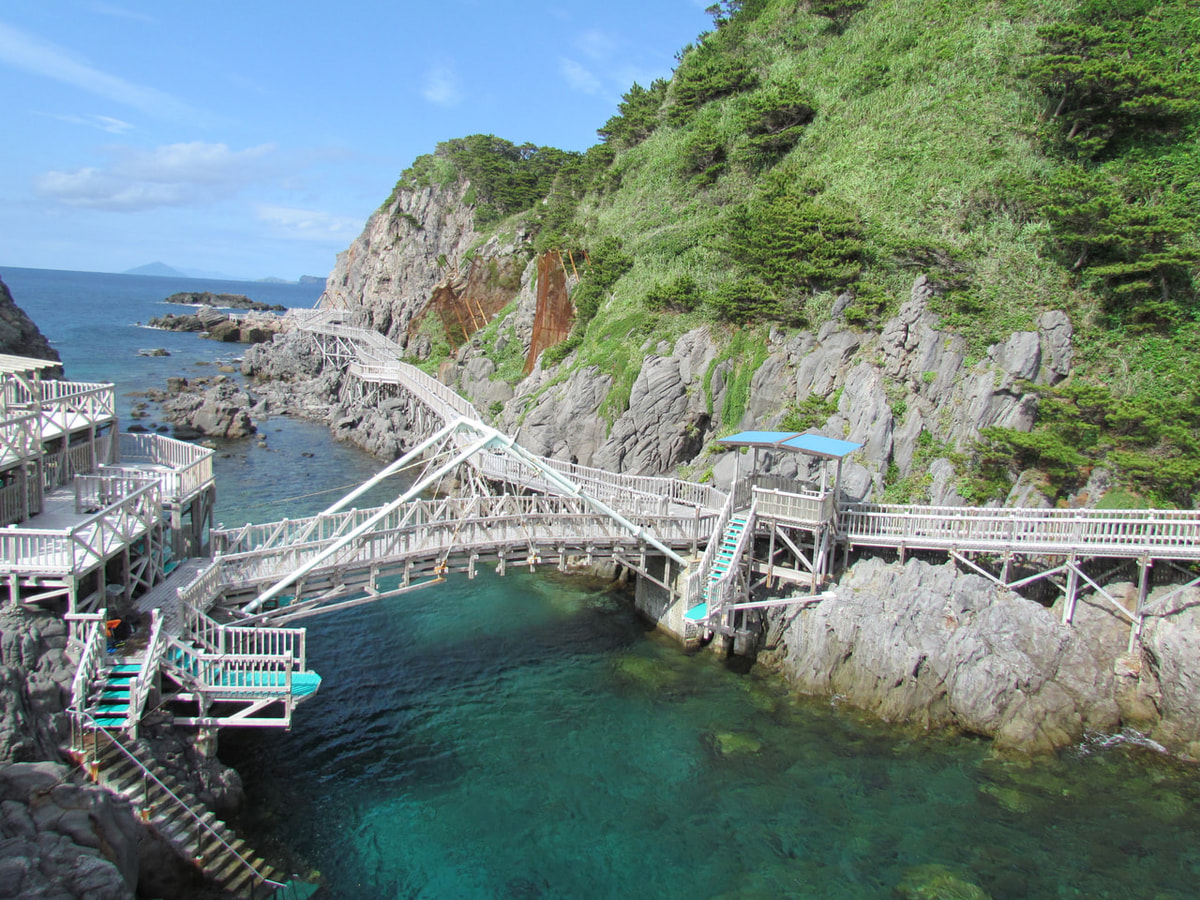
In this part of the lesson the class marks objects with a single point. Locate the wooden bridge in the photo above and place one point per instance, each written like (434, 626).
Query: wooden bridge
(800, 524)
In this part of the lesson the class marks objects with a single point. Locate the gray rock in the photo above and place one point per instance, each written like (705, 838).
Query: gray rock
(19, 336)
(222, 410)
(663, 427)
(1055, 333)
(931, 646)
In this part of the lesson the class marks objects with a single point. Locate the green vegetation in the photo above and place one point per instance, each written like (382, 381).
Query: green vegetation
(505, 178)
(1023, 156)
(811, 412)
(914, 487)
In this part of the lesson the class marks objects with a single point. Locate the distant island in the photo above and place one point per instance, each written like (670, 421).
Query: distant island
(155, 268)
(162, 270)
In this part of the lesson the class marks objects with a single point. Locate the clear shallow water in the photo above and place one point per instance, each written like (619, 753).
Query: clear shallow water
(523, 737)
(526, 737)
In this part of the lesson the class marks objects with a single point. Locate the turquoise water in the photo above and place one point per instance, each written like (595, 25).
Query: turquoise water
(526, 737)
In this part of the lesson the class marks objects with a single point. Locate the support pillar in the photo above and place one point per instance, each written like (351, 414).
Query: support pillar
(1072, 591)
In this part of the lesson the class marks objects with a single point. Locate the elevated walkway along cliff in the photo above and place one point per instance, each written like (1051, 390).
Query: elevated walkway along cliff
(800, 524)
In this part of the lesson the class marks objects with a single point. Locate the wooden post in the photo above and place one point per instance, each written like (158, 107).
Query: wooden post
(1072, 590)
(771, 555)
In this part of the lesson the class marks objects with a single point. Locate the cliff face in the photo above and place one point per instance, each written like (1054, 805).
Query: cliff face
(18, 335)
(420, 254)
(908, 392)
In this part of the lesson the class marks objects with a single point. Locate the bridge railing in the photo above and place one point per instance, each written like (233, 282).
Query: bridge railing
(722, 592)
(1125, 532)
(697, 579)
(77, 548)
(189, 466)
(226, 640)
(804, 507)
(438, 528)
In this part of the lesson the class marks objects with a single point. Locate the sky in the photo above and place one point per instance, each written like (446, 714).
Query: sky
(254, 138)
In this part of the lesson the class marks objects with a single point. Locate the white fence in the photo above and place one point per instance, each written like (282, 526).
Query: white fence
(1116, 533)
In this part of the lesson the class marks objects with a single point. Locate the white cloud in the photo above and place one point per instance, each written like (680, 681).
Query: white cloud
(596, 45)
(580, 77)
(119, 12)
(104, 123)
(309, 224)
(441, 86)
(29, 53)
(190, 174)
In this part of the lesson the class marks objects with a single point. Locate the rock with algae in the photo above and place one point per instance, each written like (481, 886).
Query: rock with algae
(736, 743)
(936, 882)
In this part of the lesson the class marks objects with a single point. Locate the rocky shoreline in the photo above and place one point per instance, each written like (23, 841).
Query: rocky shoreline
(929, 646)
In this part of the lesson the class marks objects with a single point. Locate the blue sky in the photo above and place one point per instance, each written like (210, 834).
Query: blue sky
(254, 138)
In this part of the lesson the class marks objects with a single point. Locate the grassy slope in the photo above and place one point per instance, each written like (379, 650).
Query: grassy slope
(921, 113)
(927, 129)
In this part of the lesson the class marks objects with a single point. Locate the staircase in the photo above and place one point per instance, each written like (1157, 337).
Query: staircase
(111, 699)
(179, 818)
(723, 561)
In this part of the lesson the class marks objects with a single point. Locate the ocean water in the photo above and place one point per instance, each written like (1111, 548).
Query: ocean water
(527, 737)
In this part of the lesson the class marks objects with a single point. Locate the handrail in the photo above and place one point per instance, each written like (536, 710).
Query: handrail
(722, 588)
(378, 359)
(147, 773)
(43, 549)
(201, 666)
(190, 466)
(698, 578)
(1120, 532)
(88, 670)
(156, 647)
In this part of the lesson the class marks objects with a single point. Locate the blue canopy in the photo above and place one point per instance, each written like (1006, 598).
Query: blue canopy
(815, 445)
(812, 444)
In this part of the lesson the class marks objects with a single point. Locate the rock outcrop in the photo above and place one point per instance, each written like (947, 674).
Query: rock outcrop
(215, 409)
(224, 301)
(62, 839)
(930, 646)
(18, 335)
(254, 328)
(35, 685)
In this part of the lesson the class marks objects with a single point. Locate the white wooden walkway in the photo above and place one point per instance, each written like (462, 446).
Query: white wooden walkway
(1073, 536)
(423, 540)
(369, 356)
(1118, 534)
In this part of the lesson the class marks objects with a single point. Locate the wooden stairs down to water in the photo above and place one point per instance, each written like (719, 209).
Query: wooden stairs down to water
(110, 692)
(182, 821)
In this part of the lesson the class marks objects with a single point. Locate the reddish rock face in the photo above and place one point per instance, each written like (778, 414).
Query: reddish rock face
(467, 304)
(552, 320)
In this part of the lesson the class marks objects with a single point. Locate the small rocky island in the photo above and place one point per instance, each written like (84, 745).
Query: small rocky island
(222, 301)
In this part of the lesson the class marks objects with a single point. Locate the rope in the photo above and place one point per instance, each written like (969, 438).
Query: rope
(333, 490)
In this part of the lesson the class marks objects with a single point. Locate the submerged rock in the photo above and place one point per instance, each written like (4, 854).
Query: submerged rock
(936, 882)
(736, 743)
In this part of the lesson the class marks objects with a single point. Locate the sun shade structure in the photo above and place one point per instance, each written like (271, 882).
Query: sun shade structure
(812, 444)
(794, 442)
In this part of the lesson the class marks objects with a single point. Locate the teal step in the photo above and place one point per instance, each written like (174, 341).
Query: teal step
(697, 613)
(104, 722)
